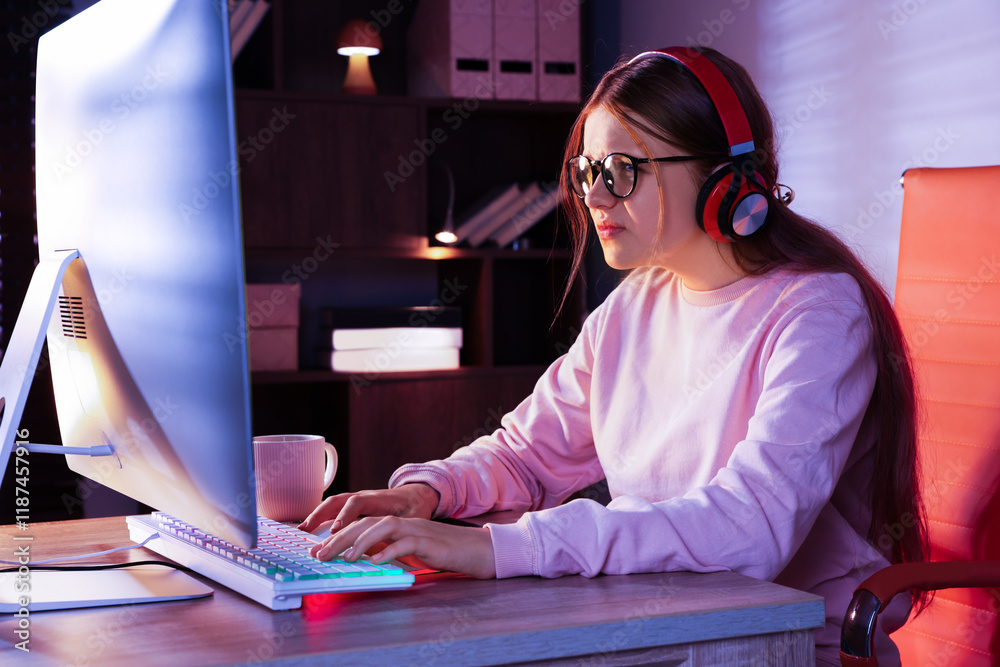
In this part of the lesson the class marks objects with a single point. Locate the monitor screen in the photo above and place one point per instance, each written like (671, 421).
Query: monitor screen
(136, 168)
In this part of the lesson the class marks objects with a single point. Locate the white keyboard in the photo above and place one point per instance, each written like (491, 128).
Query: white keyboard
(277, 573)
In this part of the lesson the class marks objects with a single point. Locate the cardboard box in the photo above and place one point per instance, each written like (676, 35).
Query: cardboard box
(273, 326)
(273, 305)
(275, 349)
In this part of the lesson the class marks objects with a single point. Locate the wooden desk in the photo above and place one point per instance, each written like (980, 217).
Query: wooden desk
(663, 619)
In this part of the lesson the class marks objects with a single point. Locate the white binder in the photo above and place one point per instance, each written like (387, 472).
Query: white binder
(515, 49)
(558, 51)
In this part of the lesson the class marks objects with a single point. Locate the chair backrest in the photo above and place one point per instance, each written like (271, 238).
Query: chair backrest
(948, 301)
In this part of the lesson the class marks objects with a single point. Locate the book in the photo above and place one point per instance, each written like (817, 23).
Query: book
(244, 21)
(391, 316)
(483, 210)
(391, 360)
(528, 194)
(528, 216)
(238, 12)
(387, 337)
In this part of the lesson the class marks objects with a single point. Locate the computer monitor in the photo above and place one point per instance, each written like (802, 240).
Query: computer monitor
(136, 171)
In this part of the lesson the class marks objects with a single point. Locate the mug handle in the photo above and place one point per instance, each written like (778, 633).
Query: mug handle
(331, 465)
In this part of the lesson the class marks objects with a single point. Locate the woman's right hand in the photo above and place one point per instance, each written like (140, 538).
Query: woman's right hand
(409, 500)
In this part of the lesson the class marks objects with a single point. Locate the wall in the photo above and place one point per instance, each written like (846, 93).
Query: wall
(860, 89)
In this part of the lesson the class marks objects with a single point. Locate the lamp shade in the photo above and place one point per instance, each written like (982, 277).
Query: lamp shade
(359, 37)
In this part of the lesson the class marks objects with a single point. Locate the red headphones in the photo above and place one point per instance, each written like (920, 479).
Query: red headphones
(732, 204)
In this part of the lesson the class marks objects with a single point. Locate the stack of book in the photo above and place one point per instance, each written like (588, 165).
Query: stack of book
(505, 213)
(391, 339)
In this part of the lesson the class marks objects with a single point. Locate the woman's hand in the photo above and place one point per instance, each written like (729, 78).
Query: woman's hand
(441, 546)
(409, 500)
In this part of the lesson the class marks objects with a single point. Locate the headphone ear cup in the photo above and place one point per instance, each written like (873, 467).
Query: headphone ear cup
(727, 216)
(710, 201)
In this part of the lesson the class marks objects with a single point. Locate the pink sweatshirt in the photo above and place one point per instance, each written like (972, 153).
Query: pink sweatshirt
(727, 425)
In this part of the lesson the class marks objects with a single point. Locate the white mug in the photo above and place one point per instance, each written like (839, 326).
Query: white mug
(292, 472)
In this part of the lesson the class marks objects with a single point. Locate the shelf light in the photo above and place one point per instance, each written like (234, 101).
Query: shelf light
(446, 236)
(447, 233)
(358, 40)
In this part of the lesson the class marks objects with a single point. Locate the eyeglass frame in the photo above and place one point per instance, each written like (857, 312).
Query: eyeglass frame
(636, 161)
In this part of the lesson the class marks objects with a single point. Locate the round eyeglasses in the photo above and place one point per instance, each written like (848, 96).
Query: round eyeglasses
(618, 170)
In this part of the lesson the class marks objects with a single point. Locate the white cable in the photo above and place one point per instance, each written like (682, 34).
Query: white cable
(35, 563)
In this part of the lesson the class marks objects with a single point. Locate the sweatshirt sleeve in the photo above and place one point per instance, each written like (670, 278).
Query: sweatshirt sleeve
(817, 373)
(542, 452)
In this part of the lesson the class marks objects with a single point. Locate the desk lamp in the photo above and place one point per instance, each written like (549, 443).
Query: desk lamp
(359, 39)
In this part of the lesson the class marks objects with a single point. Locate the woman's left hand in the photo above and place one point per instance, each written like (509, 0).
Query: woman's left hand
(441, 546)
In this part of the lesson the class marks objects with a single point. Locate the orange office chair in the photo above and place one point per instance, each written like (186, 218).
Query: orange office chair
(948, 301)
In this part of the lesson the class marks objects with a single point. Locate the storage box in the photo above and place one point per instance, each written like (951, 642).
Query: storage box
(273, 326)
(558, 51)
(515, 49)
(450, 49)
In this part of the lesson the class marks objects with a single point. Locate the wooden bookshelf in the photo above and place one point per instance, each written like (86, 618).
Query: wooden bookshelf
(361, 183)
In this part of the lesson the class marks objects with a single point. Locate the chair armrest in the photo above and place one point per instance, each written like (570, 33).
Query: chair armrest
(876, 592)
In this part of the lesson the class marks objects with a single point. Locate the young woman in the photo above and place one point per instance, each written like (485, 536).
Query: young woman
(745, 391)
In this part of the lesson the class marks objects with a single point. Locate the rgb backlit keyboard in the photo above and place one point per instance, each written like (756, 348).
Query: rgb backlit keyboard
(277, 573)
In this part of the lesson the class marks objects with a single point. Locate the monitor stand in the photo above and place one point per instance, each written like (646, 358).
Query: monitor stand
(20, 360)
(66, 590)
(99, 588)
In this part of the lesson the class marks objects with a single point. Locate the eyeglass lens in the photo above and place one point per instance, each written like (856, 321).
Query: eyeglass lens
(617, 170)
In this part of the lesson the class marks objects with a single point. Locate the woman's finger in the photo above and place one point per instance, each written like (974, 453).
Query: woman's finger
(440, 546)
(326, 510)
(339, 541)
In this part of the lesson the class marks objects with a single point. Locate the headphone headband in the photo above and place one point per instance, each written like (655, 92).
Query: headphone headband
(734, 119)
(732, 204)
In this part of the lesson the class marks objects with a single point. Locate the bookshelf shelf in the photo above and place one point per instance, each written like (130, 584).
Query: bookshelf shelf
(428, 253)
(343, 193)
(312, 376)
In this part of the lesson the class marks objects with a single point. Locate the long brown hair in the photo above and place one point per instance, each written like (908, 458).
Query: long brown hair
(665, 100)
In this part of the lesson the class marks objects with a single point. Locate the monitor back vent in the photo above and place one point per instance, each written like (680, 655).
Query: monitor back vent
(71, 315)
